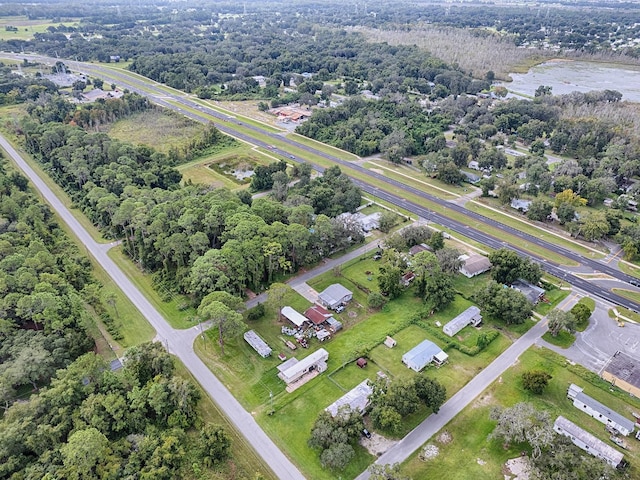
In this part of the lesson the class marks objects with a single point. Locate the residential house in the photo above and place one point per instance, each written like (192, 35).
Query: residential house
(600, 412)
(474, 264)
(623, 371)
(423, 354)
(419, 248)
(533, 293)
(293, 370)
(365, 222)
(334, 295)
(521, 205)
(357, 399)
(471, 316)
(258, 344)
(473, 165)
(588, 442)
(470, 177)
(293, 316)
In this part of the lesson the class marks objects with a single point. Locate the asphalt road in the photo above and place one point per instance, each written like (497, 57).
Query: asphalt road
(228, 124)
(178, 342)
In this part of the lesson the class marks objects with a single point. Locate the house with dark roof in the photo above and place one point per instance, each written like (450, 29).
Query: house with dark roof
(334, 295)
(623, 371)
(419, 248)
(470, 177)
(533, 293)
(588, 442)
(471, 316)
(600, 412)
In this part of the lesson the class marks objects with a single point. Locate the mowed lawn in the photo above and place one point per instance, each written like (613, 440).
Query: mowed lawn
(471, 454)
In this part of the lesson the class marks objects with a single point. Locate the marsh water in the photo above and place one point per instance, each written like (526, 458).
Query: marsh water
(569, 76)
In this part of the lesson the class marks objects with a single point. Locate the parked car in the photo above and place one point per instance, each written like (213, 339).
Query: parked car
(366, 433)
(340, 309)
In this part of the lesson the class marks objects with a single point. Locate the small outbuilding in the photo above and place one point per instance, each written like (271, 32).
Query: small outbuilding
(361, 362)
(423, 354)
(390, 342)
(258, 344)
(471, 316)
(334, 296)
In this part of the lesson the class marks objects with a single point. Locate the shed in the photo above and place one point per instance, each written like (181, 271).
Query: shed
(474, 264)
(600, 412)
(361, 362)
(471, 316)
(421, 355)
(258, 344)
(407, 278)
(293, 370)
(588, 442)
(293, 316)
(390, 342)
(623, 371)
(474, 165)
(334, 295)
(334, 325)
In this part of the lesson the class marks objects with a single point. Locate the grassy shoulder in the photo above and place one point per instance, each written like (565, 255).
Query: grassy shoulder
(470, 454)
(244, 462)
(564, 339)
(176, 309)
(628, 294)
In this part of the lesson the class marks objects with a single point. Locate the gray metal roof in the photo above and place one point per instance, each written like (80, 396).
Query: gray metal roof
(603, 450)
(462, 320)
(258, 344)
(357, 399)
(334, 294)
(422, 353)
(605, 411)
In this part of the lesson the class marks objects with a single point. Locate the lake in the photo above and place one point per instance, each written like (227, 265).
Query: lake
(567, 76)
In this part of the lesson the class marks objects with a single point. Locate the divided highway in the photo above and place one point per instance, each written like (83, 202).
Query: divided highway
(229, 124)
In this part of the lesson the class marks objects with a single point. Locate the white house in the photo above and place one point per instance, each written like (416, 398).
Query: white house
(471, 316)
(474, 264)
(521, 205)
(588, 442)
(293, 370)
(600, 412)
(357, 399)
(423, 354)
(334, 296)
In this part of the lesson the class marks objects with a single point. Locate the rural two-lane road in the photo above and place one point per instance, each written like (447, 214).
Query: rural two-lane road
(179, 342)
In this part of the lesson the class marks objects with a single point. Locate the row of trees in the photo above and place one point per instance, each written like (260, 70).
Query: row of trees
(94, 423)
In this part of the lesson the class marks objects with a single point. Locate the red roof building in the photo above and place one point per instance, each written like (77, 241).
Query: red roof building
(317, 314)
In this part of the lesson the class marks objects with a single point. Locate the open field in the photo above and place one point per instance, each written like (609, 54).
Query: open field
(27, 28)
(471, 455)
(157, 128)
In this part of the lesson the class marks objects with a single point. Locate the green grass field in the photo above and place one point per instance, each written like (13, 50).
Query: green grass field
(25, 28)
(564, 339)
(471, 455)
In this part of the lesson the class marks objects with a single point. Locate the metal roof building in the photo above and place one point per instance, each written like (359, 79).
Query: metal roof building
(422, 355)
(588, 442)
(600, 412)
(293, 316)
(471, 316)
(258, 344)
(292, 369)
(334, 295)
(357, 399)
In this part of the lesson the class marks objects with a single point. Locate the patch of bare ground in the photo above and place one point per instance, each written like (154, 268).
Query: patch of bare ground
(483, 400)
(429, 452)
(444, 438)
(377, 444)
(516, 469)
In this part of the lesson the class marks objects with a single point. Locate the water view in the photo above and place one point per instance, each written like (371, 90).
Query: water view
(568, 76)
